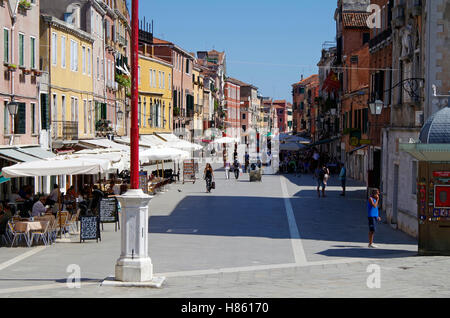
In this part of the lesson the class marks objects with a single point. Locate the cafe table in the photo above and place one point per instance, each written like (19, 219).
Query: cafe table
(29, 226)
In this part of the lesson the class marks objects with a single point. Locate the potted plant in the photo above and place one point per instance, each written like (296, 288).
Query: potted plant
(37, 72)
(25, 5)
(123, 80)
(26, 71)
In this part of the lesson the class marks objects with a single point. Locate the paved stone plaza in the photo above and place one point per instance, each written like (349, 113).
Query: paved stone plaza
(270, 239)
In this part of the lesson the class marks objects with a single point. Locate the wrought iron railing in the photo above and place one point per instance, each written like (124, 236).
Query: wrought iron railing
(65, 130)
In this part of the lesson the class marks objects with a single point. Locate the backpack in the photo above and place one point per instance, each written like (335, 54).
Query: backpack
(321, 174)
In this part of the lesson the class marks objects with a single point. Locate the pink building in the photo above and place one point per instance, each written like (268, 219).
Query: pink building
(182, 83)
(232, 106)
(19, 49)
(282, 114)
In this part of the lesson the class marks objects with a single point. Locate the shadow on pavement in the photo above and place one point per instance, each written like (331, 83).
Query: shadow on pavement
(327, 219)
(367, 253)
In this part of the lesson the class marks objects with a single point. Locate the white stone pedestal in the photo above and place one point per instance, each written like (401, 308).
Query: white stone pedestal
(134, 265)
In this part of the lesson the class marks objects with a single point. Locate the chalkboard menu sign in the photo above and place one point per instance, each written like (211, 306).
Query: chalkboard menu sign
(90, 229)
(108, 210)
(143, 183)
(188, 171)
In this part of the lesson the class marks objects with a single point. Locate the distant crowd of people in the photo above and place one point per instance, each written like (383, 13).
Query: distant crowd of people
(319, 164)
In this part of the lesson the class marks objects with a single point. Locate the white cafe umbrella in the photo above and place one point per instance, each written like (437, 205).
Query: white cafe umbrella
(225, 140)
(184, 145)
(63, 165)
(119, 160)
(291, 146)
(159, 154)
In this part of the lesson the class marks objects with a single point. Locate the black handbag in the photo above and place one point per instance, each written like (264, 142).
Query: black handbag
(213, 185)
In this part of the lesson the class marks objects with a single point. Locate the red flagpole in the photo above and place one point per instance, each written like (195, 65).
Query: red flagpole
(134, 133)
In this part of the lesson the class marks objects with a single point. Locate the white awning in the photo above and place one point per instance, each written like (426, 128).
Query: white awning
(225, 140)
(153, 140)
(120, 160)
(144, 143)
(168, 137)
(25, 154)
(428, 152)
(157, 154)
(105, 143)
(64, 165)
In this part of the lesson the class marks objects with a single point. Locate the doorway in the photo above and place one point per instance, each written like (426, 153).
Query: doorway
(395, 196)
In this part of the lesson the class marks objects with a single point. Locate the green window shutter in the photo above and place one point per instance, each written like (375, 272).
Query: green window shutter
(33, 53)
(175, 95)
(45, 112)
(103, 111)
(21, 44)
(6, 45)
(20, 120)
(365, 119)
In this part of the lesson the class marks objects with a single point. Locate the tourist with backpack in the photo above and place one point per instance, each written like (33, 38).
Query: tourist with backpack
(322, 175)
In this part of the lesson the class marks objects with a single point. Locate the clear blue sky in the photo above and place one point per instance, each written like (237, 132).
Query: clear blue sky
(268, 43)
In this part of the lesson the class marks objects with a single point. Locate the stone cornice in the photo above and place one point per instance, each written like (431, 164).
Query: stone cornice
(108, 10)
(52, 21)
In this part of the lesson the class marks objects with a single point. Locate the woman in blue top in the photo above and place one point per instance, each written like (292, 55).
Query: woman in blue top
(373, 215)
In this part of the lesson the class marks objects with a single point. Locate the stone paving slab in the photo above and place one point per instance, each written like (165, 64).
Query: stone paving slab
(235, 242)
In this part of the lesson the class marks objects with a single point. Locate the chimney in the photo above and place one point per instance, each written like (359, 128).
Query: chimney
(302, 78)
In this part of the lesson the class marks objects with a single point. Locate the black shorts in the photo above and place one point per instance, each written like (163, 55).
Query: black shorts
(372, 224)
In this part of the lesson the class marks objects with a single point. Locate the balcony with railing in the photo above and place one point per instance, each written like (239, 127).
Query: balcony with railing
(65, 130)
(121, 40)
(383, 36)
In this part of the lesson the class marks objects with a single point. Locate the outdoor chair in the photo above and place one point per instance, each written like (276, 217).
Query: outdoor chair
(53, 231)
(64, 222)
(15, 234)
(73, 222)
(41, 234)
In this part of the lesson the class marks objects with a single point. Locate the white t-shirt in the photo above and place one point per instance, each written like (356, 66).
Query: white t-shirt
(13, 197)
(54, 195)
(38, 209)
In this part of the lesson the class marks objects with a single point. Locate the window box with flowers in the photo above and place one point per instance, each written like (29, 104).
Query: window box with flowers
(11, 67)
(26, 71)
(25, 5)
(37, 72)
(123, 80)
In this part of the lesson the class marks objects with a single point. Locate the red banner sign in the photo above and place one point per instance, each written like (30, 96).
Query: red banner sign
(442, 197)
(440, 174)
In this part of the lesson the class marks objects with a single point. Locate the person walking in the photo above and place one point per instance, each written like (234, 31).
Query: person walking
(322, 174)
(373, 215)
(227, 170)
(246, 161)
(343, 178)
(208, 175)
(236, 167)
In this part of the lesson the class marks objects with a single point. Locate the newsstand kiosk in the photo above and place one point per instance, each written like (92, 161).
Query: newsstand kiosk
(433, 184)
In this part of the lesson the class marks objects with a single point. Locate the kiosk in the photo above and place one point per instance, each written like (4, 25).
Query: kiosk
(433, 184)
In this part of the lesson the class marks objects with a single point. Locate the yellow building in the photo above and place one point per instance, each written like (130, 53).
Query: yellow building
(66, 53)
(155, 95)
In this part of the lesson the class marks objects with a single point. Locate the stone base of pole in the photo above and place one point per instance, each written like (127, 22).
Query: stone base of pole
(134, 267)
